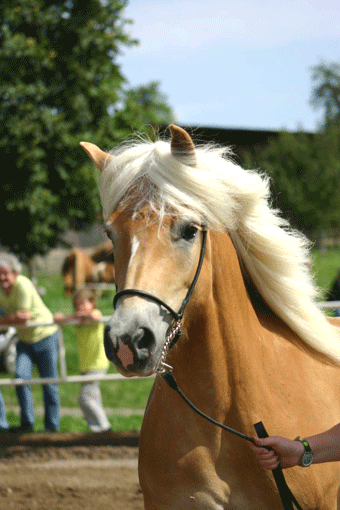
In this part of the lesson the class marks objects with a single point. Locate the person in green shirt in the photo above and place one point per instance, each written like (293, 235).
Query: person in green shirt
(92, 357)
(37, 345)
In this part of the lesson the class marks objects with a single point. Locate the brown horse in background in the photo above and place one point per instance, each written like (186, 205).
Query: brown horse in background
(80, 267)
(254, 344)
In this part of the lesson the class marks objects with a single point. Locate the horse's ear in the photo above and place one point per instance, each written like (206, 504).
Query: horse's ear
(182, 146)
(99, 157)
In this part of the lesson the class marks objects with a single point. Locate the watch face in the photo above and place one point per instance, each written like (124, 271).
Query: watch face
(307, 459)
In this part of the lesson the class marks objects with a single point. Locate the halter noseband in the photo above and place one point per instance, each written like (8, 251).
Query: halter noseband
(165, 370)
(176, 327)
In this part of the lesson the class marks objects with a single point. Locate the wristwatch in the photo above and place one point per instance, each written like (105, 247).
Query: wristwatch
(307, 457)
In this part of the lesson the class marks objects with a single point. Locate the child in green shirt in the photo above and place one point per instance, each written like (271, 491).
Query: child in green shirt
(92, 358)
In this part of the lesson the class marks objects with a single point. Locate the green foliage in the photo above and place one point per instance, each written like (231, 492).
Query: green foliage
(59, 80)
(144, 105)
(305, 168)
(326, 93)
(305, 178)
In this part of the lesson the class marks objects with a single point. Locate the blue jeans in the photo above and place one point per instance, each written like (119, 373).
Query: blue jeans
(3, 419)
(45, 355)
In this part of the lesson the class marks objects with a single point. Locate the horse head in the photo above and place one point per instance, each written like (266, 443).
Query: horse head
(158, 199)
(156, 253)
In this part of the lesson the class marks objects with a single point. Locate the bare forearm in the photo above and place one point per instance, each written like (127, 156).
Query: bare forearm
(326, 446)
(60, 318)
(89, 315)
(19, 317)
(288, 453)
(7, 320)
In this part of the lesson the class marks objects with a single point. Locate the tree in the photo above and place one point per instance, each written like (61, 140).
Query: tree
(305, 173)
(305, 167)
(59, 80)
(326, 92)
(144, 105)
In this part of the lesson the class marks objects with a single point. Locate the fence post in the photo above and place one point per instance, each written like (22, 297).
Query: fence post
(62, 356)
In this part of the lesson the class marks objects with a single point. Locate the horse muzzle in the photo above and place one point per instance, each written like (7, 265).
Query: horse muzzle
(133, 352)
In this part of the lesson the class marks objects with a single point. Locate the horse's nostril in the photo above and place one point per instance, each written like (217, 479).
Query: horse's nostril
(145, 339)
(108, 346)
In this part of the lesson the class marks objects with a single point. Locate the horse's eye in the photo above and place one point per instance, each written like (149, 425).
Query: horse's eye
(189, 233)
(108, 233)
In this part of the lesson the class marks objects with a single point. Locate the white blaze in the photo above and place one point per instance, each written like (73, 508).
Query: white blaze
(134, 248)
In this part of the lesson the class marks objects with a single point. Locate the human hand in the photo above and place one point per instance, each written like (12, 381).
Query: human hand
(88, 315)
(284, 452)
(21, 316)
(96, 315)
(82, 315)
(59, 318)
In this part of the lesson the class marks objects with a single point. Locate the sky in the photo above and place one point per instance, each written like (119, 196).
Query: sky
(233, 63)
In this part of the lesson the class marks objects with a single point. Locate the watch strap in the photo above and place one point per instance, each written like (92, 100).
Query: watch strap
(307, 457)
(305, 444)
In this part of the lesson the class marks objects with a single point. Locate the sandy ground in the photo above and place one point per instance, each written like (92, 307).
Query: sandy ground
(69, 472)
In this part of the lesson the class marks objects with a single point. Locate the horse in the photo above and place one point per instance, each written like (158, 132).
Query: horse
(102, 252)
(104, 270)
(254, 346)
(80, 268)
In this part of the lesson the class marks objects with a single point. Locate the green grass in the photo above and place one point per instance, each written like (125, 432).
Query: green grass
(78, 424)
(326, 266)
(131, 394)
(127, 393)
(115, 394)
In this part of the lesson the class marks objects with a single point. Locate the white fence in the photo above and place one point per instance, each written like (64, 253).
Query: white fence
(329, 304)
(64, 378)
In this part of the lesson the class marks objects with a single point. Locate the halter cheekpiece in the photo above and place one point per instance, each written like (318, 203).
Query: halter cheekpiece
(175, 328)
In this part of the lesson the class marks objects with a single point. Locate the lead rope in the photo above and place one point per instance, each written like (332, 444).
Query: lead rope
(165, 370)
(287, 497)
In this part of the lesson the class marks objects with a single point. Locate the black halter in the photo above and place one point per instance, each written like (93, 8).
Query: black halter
(176, 315)
(286, 495)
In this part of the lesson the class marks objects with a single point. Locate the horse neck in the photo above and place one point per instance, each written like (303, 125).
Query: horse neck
(219, 323)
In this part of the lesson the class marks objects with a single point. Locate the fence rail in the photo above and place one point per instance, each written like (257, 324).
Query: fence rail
(67, 379)
(329, 304)
(64, 378)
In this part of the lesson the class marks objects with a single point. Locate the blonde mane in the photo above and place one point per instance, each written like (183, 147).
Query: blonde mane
(231, 199)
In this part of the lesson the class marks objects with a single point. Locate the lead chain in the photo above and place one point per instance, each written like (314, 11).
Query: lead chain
(175, 330)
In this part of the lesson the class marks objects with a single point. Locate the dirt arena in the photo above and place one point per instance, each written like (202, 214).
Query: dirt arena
(69, 472)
